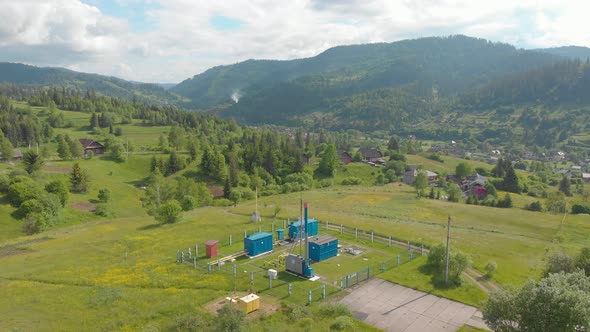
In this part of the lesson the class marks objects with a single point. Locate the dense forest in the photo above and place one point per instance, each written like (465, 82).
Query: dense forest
(20, 74)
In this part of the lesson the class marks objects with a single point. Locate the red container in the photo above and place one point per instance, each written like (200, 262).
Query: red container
(211, 248)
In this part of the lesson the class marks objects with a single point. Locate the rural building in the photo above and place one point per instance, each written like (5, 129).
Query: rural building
(412, 173)
(586, 177)
(91, 145)
(258, 244)
(323, 248)
(475, 184)
(370, 154)
(295, 228)
(17, 154)
(345, 157)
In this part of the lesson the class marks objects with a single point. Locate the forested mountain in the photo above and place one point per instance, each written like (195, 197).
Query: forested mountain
(443, 66)
(20, 74)
(573, 52)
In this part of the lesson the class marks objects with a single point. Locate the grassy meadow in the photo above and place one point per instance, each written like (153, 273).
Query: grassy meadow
(120, 272)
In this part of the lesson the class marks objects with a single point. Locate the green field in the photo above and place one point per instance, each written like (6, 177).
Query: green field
(120, 272)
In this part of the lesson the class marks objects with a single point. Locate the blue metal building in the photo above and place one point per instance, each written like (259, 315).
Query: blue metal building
(323, 248)
(295, 228)
(280, 234)
(258, 244)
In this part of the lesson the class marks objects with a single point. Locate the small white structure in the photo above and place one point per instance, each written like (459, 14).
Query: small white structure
(273, 274)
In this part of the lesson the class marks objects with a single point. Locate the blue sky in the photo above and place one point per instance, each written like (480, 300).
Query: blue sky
(172, 40)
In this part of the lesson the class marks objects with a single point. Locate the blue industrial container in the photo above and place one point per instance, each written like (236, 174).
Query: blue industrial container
(294, 228)
(323, 248)
(258, 244)
(280, 234)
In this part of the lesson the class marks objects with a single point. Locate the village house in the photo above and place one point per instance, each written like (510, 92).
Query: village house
(472, 185)
(412, 173)
(586, 177)
(345, 157)
(91, 145)
(370, 154)
(17, 154)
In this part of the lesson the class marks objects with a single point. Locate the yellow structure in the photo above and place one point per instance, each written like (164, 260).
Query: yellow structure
(249, 303)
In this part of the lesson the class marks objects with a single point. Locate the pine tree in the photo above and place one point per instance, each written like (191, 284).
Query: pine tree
(226, 189)
(63, 148)
(565, 186)
(510, 182)
(79, 179)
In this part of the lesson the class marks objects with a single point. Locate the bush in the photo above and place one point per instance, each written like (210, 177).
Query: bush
(351, 181)
(104, 195)
(490, 268)
(60, 189)
(169, 212)
(102, 210)
(34, 223)
(230, 319)
(324, 184)
(296, 312)
(4, 183)
(334, 309)
(436, 157)
(22, 189)
(188, 203)
(535, 206)
(342, 323)
(580, 208)
(222, 202)
(190, 322)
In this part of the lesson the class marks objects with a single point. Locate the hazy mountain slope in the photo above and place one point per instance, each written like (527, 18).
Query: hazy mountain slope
(574, 52)
(20, 74)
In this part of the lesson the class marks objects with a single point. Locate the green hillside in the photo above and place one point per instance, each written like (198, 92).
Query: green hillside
(31, 76)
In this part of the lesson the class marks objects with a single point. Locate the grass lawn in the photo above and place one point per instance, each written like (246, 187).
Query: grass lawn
(413, 275)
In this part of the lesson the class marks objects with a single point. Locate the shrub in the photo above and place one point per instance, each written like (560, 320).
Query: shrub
(580, 208)
(102, 210)
(490, 268)
(324, 184)
(535, 206)
(334, 309)
(189, 322)
(34, 223)
(188, 203)
(60, 189)
(296, 312)
(222, 202)
(169, 212)
(230, 319)
(23, 189)
(341, 323)
(104, 195)
(436, 157)
(351, 181)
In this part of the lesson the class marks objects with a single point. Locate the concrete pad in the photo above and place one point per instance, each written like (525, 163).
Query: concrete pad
(395, 308)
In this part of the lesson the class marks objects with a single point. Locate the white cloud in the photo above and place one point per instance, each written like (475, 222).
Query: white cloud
(81, 36)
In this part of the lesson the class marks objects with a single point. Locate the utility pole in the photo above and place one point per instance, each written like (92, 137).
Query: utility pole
(448, 250)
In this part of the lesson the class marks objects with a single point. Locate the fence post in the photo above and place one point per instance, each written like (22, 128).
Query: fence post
(209, 267)
(309, 298)
(182, 257)
(346, 281)
(270, 282)
(245, 234)
(372, 236)
(323, 291)
(177, 256)
(390, 241)
(327, 225)
(408, 245)
(383, 266)
(190, 254)
(421, 249)
(196, 250)
(272, 227)
(356, 233)
(230, 241)
(368, 273)
(195, 262)
(259, 229)
(289, 289)
(218, 266)
(411, 254)
(284, 224)
(341, 229)
(252, 277)
(398, 263)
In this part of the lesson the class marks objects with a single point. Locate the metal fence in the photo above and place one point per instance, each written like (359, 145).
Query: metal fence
(251, 278)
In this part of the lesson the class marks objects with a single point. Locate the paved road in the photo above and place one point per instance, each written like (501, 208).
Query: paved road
(395, 308)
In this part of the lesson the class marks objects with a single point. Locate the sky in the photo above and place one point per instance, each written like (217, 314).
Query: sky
(167, 41)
